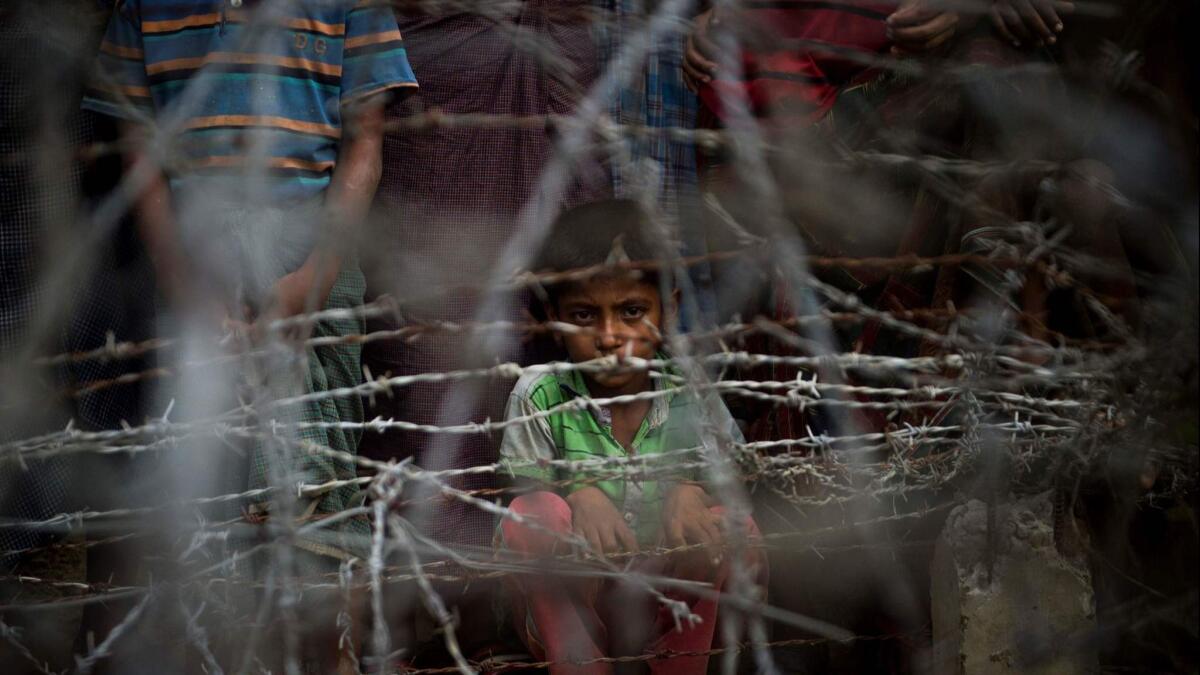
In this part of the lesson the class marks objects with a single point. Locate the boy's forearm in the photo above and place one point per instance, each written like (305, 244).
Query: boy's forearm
(154, 217)
(348, 197)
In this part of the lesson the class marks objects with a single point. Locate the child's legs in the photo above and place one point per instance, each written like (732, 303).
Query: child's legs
(698, 637)
(563, 611)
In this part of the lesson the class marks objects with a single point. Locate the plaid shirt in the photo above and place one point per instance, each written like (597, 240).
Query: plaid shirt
(576, 434)
(656, 97)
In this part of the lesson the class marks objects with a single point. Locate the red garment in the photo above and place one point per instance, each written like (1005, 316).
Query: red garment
(801, 79)
(565, 619)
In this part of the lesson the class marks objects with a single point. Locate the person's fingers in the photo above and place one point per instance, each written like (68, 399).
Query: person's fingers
(590, 536)
(697, 533)
(699, 53)
(698, 77)
(1045, 9)
(1031, 18)
(688, 81)
(939, 40)
(923, 32)
(1064, 8)
(674, 534)
(608, 540)
(1015, 25)
(1001, 27)
(706, 49)
(627, 539)
(910, 15)
(715, 535)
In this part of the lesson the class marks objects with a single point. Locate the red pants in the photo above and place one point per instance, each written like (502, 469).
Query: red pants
(577, 619)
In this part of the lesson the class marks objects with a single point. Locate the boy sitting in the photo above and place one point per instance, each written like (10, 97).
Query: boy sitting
(618, 312)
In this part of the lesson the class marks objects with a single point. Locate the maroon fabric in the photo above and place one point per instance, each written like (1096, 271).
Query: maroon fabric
(564, 619)
(448, 200)
(803, 83)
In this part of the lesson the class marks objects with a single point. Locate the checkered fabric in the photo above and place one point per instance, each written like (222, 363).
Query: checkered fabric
(326, 368)
(656, 97)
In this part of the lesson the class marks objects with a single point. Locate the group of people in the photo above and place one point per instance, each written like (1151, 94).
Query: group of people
(273, 174)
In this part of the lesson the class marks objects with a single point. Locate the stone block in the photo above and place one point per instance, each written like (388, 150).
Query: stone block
(1030, 613)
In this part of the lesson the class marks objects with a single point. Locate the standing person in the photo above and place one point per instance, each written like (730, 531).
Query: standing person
(279, 111)
(800, 56)
(254, 134)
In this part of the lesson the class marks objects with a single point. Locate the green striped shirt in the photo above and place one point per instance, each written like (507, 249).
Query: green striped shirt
(673, 425)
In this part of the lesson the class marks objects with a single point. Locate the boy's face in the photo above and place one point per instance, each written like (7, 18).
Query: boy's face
(622, 315)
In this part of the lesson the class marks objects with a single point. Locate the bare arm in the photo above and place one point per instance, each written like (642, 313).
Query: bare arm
(153, 216)
(155, 220)
(347, 201)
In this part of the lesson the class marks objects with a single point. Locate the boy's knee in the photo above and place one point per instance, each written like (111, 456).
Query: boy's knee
(549, 511)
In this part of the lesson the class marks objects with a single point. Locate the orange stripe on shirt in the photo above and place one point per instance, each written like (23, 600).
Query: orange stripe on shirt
(122, 52)
(373, 39)
(239, 161)
(251, 59)
(263, 121)
(314, 26)
(131, 90)
(241, 16)
(166, 26)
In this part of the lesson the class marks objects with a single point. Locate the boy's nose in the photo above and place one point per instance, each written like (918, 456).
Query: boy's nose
(609, 339)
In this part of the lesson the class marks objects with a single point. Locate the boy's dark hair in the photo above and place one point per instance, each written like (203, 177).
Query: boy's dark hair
(611, 231)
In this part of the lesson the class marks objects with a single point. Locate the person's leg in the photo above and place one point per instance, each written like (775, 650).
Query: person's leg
(698, 637)
(563, 615)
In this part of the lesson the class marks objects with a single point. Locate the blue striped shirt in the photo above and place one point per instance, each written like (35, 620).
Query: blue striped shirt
(251, 96)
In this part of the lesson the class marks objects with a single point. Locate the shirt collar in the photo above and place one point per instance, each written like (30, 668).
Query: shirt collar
(573, 383)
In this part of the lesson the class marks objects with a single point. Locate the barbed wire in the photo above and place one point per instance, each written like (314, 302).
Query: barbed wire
(1036, 401)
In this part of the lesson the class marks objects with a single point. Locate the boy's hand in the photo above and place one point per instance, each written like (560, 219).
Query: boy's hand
(290, 294)
(919, 26)
(596, 519)
(1029, 21)
(698, 64)
(688, 520)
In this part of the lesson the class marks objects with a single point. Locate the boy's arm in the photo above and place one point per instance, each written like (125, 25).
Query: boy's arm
(156, 227)
(526, 445)
(347, 200)
(687, 518)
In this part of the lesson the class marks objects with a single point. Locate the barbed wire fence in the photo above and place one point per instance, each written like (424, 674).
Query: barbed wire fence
(960, 402)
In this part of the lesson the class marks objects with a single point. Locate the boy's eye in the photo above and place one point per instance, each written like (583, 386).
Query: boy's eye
(633, 312)
(581, 315)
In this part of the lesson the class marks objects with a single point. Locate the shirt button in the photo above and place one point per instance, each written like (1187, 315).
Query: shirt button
(628, 517)
(235, 3)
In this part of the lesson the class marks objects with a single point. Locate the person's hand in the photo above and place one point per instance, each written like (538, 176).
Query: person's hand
(595, 519)
(290, 297)
(1029, 21)
(698, 64)
(920, 26)
(687, 520)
